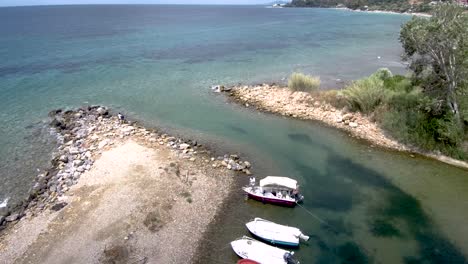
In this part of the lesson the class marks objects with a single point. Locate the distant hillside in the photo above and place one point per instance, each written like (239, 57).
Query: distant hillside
(279, 2)
(387, 5)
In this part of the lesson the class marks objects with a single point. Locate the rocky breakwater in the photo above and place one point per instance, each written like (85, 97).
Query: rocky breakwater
(82, 135)
(302, 105)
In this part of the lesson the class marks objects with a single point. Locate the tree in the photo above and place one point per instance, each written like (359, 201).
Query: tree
(437, 49)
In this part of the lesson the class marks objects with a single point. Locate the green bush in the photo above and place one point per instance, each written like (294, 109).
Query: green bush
(366, 94)
(398, 84)
(383, 74)
(302, 82)
(411, 118)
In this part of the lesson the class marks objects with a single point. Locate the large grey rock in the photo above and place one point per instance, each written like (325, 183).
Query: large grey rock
(53, 188)
(102, 111)
(38, 186)
(184, 146)
(74, 151)
(128, 129)
(12, 217)
(57, 124)
(63, 158)
(78, 162)
(81, 133)
(103, 143)
(347, 116)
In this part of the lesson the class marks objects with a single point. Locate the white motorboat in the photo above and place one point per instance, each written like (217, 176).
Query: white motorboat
(275, 233)
(275, 190)
(248, 248)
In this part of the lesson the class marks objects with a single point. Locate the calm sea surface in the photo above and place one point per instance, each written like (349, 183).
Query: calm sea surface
(156, 64)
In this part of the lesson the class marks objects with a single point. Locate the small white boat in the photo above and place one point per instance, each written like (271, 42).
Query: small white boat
(248, 248)
(275, 233)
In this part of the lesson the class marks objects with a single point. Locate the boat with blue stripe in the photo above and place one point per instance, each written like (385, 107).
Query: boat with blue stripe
(276, 234)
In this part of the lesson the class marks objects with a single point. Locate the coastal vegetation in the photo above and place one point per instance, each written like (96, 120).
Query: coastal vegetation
(366, 94)
(428, 108)
(387, 5)
(303, 83)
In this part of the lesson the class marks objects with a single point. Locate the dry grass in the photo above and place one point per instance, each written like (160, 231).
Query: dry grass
(303, 83)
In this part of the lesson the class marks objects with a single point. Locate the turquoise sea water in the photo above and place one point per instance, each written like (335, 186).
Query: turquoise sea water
(156, 64)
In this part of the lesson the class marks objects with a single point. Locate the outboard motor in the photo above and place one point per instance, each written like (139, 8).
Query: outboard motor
(252, 182)
(289, 258)
(299, 198)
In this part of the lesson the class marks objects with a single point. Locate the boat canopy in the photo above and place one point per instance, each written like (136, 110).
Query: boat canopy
(278, 182)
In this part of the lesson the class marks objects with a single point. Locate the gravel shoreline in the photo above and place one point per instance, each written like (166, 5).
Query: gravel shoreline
(302, 105)
(162, 189)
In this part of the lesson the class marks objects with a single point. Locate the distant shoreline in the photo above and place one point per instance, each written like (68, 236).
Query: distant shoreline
(382, 12)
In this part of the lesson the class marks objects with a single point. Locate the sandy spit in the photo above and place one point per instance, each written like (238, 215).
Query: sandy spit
(302, 105)
(147, 198)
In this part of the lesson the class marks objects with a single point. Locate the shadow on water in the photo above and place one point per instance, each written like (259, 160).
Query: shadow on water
(237, 129)
(334, 193)
(395, 215)
(322, 197)
(301, 138)
(397, 206)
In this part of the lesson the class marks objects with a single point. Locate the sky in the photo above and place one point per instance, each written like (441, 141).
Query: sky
(67, 2)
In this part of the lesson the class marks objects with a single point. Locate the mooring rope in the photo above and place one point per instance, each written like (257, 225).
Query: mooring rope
(318, 218)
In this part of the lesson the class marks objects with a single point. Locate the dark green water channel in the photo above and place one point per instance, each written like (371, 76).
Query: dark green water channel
(378, 206)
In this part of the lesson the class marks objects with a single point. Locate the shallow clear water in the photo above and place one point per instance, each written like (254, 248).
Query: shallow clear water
(156, 64)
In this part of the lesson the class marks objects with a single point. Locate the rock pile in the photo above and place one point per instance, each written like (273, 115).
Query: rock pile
(82, 135)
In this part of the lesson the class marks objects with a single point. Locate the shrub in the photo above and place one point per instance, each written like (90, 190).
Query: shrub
(333, 97)
(302, 82)
(413, 118)
(398, 84)
(383, 74)
(366, 94)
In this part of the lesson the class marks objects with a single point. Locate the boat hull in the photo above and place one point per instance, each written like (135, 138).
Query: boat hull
(248, 248)
(275, 201)
(247, 261)
(276, 242)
